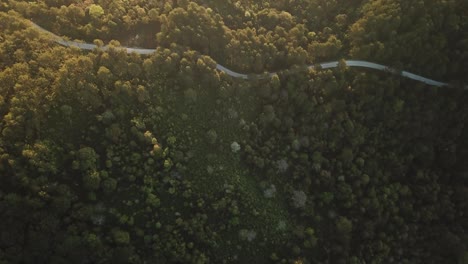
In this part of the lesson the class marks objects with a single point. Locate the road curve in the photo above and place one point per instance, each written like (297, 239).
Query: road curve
(324, 65)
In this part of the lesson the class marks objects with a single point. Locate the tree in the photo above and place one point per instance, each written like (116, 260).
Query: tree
(347, 155)
(109, 185)
(86, 159)
(120, 237)
(96, 11)
(91, 180)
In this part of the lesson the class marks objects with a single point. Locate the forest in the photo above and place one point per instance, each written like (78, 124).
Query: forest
(115, 157)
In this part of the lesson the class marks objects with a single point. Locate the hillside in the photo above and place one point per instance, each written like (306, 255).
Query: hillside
(115, 157)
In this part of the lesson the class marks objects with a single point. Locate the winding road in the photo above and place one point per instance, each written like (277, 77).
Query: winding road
(324, 65)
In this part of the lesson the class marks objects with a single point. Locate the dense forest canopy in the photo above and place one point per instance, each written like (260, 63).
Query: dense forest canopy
(109, 157)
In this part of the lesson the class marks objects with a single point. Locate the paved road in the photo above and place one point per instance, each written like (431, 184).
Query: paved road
(324, 65)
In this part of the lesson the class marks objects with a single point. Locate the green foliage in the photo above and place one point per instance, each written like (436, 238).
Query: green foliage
(96, 11)
(91, 180)
(86, 158)
(157, 151)
(40, 156)
(190, 95)
(109, 157)
(347, 155)
(344, 226)
(153, 200)
(168, 164)
(109, 185)
(120, 237)
(211, 136)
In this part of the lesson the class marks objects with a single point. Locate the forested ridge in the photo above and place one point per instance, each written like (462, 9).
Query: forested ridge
(323, 65)
(109, 157)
